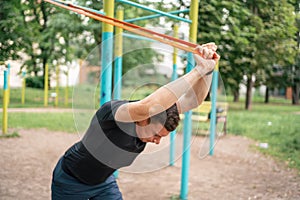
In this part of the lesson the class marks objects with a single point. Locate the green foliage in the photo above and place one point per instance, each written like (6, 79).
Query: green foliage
(138, 53)
(35, 82)
(252, 37)
(11, 32)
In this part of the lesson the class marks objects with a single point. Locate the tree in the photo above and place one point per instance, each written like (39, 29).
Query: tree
(294, 71)
(253, 35)
(10, 37)
(277, 43)
(49, 35)
(227, 24)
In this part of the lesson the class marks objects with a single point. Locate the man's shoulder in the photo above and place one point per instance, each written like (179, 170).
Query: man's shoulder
(107, 110)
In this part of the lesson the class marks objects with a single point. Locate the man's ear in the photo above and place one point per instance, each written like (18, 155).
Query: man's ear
(144, 122)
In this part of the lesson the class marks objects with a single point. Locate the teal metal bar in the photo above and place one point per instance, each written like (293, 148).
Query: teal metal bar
(187, 130)
(92, 10)
(128, 35)
(153, 10)
(213, 112)
(158, 15)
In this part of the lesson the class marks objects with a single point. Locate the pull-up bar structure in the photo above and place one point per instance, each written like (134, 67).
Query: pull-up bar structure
(154, 10)
(106, 58)
(180, 44)
(158, 15)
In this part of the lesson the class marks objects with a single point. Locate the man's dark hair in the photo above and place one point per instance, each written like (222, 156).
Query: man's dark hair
(169, 118)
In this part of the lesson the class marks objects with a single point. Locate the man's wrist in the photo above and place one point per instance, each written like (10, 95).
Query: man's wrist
(202, 72)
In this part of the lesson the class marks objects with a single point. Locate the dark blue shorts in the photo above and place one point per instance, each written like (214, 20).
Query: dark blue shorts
(66, 187)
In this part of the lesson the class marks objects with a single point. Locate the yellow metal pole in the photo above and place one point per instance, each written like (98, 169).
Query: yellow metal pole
(67, 89)
(194, 17)
(5, 103)
(23, 88)
(80, 71)
(118, 56)
(119, 32)
(46, 86)
(175, 49)
(57, 86)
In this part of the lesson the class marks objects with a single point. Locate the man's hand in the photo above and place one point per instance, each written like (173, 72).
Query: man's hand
(207, 58)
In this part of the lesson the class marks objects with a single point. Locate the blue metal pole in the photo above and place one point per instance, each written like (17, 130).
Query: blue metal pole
(158, 15)
(118, 78)
(153, 10)
(174, 77)
(106, 55)
(213, 110)
(8, 83)
(187, 130)
(188, 115)
(173, 133)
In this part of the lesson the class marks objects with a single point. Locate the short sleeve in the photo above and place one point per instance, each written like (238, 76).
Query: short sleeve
(108, 110)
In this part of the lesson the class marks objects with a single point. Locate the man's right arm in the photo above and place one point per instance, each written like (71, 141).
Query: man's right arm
(167, 95)
(195, 95)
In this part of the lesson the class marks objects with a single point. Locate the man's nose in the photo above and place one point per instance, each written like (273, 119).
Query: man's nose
(157, 140)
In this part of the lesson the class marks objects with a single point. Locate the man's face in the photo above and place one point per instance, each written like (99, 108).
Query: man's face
(152, 132)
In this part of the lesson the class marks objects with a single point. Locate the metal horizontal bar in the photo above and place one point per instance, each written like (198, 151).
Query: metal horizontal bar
(137, 37)
(158, 15)
(153, 10)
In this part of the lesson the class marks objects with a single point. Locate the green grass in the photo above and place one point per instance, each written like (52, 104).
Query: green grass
(51, 121)
(275, 124)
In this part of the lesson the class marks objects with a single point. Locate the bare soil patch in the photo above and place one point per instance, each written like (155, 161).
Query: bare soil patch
(236, 171)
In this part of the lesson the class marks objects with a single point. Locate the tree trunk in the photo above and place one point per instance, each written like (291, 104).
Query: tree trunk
(295, 93)
(267, 95)
(250, 83)
(236, 95)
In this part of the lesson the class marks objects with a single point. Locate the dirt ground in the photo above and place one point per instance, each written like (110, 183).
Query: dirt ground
(236, 171)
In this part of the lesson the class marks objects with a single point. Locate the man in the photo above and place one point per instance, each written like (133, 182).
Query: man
(119, 131)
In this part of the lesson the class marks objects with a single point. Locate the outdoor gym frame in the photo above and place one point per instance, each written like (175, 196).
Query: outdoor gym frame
(107, 60)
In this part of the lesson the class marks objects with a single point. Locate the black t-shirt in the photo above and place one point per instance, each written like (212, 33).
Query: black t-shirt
(106, 146)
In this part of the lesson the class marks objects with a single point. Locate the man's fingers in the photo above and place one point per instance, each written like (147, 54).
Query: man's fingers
(216, 56)
(210, 45)
(200, 50)
(205, 52)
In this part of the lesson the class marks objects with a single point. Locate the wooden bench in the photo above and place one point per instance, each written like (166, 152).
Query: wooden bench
(202, 113)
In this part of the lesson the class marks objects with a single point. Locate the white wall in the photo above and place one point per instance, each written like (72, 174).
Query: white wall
(16, 79)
